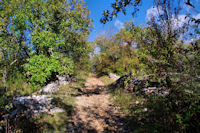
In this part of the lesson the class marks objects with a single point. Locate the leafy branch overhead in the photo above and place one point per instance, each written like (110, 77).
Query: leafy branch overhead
(121, 5)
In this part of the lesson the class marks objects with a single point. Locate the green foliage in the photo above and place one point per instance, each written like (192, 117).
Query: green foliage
(106, 80)
(65, 65)
(119, 6)
(124, 100)
(81, 79)
(117, 54)
(31, 30)
(41, 68)
(163, 55)
(177, 112)
(18, 85)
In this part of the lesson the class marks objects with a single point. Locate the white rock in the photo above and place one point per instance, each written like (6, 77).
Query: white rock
(61, 78)
(50, 88)
(113, 76)
(145, 110)
(35, 104)
(189, 91)
(54, 86)
(56, 110)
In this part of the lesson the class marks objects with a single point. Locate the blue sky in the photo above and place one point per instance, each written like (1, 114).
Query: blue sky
(97, 7)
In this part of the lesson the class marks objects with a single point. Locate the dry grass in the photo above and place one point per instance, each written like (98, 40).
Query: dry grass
(106, 80)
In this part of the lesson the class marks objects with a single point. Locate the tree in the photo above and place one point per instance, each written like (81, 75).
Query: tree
(169, 60)
(117, 53)
(12, 39)
(46, 29)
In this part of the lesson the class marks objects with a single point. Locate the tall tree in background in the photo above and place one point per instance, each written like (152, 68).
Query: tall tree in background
(117, 53)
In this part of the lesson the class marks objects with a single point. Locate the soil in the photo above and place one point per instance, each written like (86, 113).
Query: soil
(95, 112)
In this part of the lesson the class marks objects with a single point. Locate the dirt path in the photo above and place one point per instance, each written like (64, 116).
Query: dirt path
(95, 112)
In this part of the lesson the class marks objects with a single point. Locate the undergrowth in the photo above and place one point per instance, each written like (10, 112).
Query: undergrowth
(46, 123)
(63, 98)
(177, 112)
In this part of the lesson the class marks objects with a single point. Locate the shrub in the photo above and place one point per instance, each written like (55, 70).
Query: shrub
(41, 68)
(179, 111)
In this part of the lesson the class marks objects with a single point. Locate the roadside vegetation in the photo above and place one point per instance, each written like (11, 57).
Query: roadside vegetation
(64, 98)
(155, 58)
(158, 64)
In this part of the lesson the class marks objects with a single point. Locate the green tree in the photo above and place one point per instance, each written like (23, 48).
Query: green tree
(117, 54)
(13, 48)
(36, 28)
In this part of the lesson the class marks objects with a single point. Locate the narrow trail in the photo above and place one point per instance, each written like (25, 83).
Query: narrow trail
(95, 112)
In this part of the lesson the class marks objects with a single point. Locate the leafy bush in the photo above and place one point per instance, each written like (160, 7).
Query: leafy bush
(115, 57)
(66, 64)
(41, 68)
(179, 111)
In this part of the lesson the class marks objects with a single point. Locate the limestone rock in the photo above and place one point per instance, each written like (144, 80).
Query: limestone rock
(34, 104)
(50, 88)
(113, 76)
(54, 86)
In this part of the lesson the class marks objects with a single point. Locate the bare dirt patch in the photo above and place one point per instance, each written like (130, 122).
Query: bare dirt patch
(95, 112)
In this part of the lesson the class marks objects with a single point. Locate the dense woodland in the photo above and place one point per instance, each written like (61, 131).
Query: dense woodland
(40, 39)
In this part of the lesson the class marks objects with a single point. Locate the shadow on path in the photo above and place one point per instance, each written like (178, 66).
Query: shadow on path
(95, 112)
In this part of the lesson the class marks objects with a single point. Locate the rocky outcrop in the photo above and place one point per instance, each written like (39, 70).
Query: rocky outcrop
(35, 104)
(32, 105)
(135, 85)
(54, 86)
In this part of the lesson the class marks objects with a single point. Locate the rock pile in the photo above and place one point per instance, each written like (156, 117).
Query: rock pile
(133, 84)
(54, 86)
(32, 105)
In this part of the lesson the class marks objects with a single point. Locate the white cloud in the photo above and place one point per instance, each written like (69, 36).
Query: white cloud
(197, 16)
(153, 12)
(118, 24)
(183, 19)
(178, 21)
